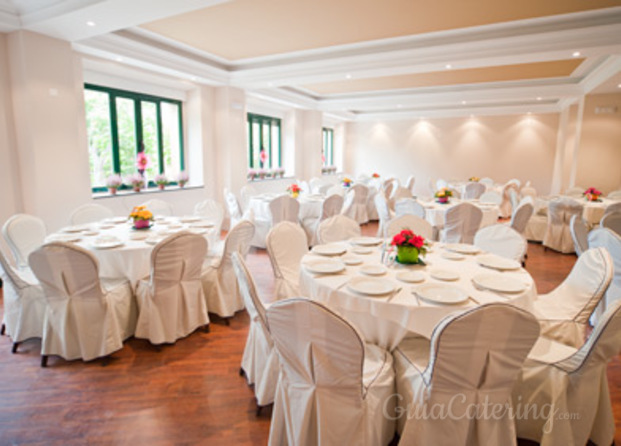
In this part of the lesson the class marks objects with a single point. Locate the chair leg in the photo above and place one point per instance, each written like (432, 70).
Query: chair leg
(43, 360)
(3, 330)
(15, 345)
(106, 360)
(258, 412)
(227, 321)
(206, 328)
(241, 372)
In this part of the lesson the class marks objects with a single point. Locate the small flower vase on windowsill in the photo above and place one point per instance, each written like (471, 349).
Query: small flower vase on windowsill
(112, 190)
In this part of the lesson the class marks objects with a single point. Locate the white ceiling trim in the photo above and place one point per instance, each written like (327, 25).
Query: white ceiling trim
(601, 73)
(456, 113)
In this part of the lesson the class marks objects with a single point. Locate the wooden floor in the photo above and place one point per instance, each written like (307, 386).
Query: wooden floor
(186, 394)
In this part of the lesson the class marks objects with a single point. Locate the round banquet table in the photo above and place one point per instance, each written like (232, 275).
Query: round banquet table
(385, 320)
(131, 259)
(592, 212)
(434, 212)
(310, 205)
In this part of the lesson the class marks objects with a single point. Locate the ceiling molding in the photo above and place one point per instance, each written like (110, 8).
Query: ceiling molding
(458, 113)
(608, 68)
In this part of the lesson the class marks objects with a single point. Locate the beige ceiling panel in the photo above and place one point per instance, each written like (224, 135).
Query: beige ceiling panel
(242, 29)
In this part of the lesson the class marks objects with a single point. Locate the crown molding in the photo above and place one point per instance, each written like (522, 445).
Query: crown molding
(9, 21)
(601, 73)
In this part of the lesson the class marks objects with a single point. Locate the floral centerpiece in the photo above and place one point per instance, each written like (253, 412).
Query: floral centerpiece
(161, 181)
(409, 246)
(182, 178)
(252, 174)
(294, 190)
(474, 179)
(142, 217)
(113, 182)
(136, 181)
(443, 195)
(375, 175)
(262, 173)
(347, 182)
(592, 194)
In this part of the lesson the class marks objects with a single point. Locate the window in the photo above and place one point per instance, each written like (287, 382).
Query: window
(122, 123)
(328, 147)
(263, 142)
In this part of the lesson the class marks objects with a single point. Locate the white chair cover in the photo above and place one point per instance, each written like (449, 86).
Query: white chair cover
(23, 233)
(82, 319)
(336, 229)
(505, 205)
(473, 359)
(90, 213)
(159, 207)
(259, 361)
(521, 214)
(218, 278)
(232, 207)
(501, 240)
(487, 181)
(387, 186)
(333, 388)
(410, 184)
(383, 212)
(473, 191)
(358, 209)
(335, 190)
(171, 303)
(245, 194)
(579, 234)
(304, 187)
(348, 202)
(214, 212)
(399, 193)
(605, 238)
(409, 206)
(330, 206)
(441, 183)
(558, 234)
(572, 382)
(315, 185)
(416, 224)
(528, 191)
(23, 301)
(286, 245)
(612, 221)
(461, 222)
(615, 195)
(564, 312)
(613, 208)
(575, 191)
(283, 208)
(492, 197)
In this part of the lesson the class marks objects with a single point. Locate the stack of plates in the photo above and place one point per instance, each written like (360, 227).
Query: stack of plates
(324, 266)
(78, 228)
(106, 242)
(501, 283)
(366, 241)
(462, 248)
(496, 262)
(330, 249)
(371, 286)
(67, 238)
(441, 294)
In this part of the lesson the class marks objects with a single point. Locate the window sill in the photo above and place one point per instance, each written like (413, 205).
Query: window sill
(259, 180)
(151, 190)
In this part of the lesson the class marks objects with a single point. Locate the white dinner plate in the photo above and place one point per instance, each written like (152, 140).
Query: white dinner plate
(351, 260)
(411, 276)
(499, 282)
(371, 286)
(441, 294)
(450, 255)
(189, 218)
(361, 250)
(373, 270)
(67, 238)
(90, 233)
(330, 249)
(366, 241)
(326, 266)
(202, 224)
(107, 244)
(77, 228)
(462, 248)
(444, 274)
(497, 262)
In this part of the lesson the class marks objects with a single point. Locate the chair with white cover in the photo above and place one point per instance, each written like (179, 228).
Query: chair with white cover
(333, 387)
(212, 211)
(23, 301)
(472, 360)
(218, 278)
(159, 208)
(441, 184)
(605, 238)
(171, 303)
(612, 221)
(521, 214)
(487, 181)
(383, 212)
(331, 206)
(506, 206)
(245, 194)
(24, 233)
(348, 202)
(409, 184)
(558, 234)
(90, 213)
(387, 187)
(358, 209)
(315, 185)
(613, 208)
(564, 312)
(399, 193)
(334, 189)
(614, 195)
(283, 208)
(461, 222)
(286, 245)
(473, 191)
(83, 319)
(259, 361)
(418, 225)
(575, 191)
(337, 228)
(528, 191)
(491, 197)
(304, 187)
(501, 240)
(579, 234)
(572, 382)
(232, 207)
(409, 206)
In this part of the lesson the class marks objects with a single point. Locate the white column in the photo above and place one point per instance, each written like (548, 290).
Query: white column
(559, 156)
(576, 150)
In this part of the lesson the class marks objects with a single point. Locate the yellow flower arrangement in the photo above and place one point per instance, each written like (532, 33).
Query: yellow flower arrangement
(474, 179)
(444, 193)
(141, 213)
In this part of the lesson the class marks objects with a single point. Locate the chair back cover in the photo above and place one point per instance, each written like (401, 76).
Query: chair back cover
(315, 185)
(232, 207)
(521, 214)
(558, 234)
(245, 194)
(334, 189)
(528, 191)
(605, 238)
(159, 207)
(492, 197)
(612, 221)
(284, 208)
(23, 233)
(211, 210)
(575, 191)
(358, 208)
(383, 213)
(416, 224)
(615, 195)
(90, 213)
(304, 187)
(501, 240)
(174, 305)
(286, 245)
(476, 355)
(441, 183)
(79, 323)
(23, 301)
(506, 204)
(473, 190)
(461, 222)
(410, 206)
(331, 206)
(337, 228)
(487, 181)
(410, 184)
(248, 290)
(348, 202)
(579, 233)
(400, 193)
(387, 186)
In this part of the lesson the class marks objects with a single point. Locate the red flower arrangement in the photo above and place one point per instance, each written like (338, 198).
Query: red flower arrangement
(592, 194)
(409, 246)
(294, 190)
(376, 175)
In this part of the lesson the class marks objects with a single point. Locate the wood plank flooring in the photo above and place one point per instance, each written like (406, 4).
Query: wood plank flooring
(189, 393)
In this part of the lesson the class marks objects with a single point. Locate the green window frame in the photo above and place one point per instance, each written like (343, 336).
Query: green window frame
(328, 146)
(264, 133)
(156, 104)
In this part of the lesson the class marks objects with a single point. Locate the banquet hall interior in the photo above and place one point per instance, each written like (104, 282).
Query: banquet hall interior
(206, 205)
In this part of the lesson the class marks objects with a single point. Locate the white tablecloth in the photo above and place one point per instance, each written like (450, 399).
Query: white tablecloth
(310, 206)
(592, 213)
(434, 212)
(385, 322)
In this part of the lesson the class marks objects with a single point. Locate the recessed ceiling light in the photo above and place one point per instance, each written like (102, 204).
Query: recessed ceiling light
(91, 23)
(471, 116)
(463, 102)
(348, 76)
(529, 113)
(619, 86)
(539, 98)
(399, 105)
(448, 66)
(119, 59)
(576, 54)
(193, 78)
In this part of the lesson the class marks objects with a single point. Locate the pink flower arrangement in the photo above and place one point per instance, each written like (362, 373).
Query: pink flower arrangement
(592, 194)
(142, 161)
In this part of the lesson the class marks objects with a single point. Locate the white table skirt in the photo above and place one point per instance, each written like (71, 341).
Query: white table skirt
(434, 212)
(592, 213)
(387, 323)
(310, 206)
